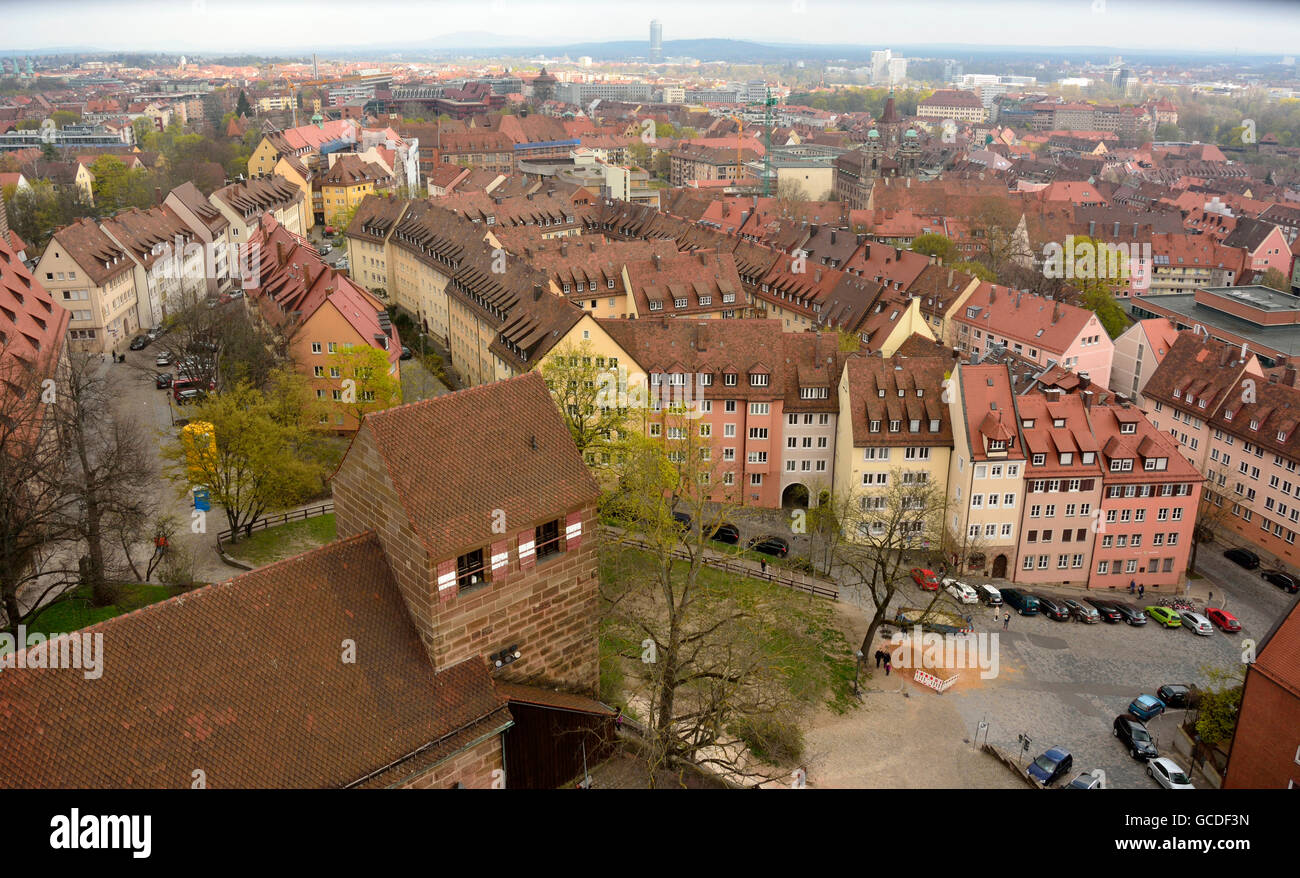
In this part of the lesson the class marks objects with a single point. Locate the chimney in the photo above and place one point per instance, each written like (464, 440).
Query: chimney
(279, 252)
(1116, 234)
(898, 253)
(1135, 230)
(157, 194)
(1084, 380)
(704, 258)
(1289, 376)
(537, 292)
(861, 238)
(656, 259)
(818, 276)
(950, 276)
(832, 236)
(1087, 399)
(993, 292)
(1056, 313)
(1225, 354)
(564, 248)
(1092, 228)
(866, 250)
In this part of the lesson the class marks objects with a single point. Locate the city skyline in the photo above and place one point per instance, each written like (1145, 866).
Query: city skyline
(185, 27)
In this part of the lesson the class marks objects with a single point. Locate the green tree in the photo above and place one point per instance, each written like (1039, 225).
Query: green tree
(1276, 280)
(979, 269)
(1220, 705)
(932, 244)
(65, 117)
(592, 400)
(367, 382)
(254, 461)
(242, 107)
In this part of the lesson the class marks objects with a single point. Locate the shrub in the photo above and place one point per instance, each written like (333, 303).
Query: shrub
(771, 739)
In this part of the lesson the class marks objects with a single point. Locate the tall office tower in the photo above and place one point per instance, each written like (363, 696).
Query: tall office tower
(656, 41)
(880, 66)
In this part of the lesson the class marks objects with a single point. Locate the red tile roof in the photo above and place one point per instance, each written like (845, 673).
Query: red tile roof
(502, 446)
(243, 680)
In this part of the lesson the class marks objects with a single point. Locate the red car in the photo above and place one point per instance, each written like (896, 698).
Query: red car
(925, 578)
(1223, 619)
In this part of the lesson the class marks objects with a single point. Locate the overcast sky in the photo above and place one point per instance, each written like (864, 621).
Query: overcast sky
(259, 25)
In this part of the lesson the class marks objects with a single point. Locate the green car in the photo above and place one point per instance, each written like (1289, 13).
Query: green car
(1165, 616)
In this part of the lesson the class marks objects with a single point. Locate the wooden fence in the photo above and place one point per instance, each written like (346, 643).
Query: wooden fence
(810, 586)
(274, 520)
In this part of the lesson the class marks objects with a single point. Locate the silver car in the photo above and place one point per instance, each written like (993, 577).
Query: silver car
(1196, 622)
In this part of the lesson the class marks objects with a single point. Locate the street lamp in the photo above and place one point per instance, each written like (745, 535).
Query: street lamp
(857, 673)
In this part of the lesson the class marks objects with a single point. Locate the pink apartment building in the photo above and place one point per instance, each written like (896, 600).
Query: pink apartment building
(1149, 500)
(1034, 327)
(1063, 486)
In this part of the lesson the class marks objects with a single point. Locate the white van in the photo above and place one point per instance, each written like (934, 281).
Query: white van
(962, 592)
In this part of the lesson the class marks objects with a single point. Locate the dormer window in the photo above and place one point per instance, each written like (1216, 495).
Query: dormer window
(1178, 394)
(758, 379)
(1281, 435)
(997, 445)
(1191, 398)
(1067, 458)
(729, 379)
(934, 425)
(1202, 402)
(881, 393)
(895, 426)
(874, 426)
(1027, 423)
(1039, 459)
(1128, 428)
(1058, 422)
(1087, 457)
(1254, 423)
(914, 425)
(706, 379)
(1227, 414)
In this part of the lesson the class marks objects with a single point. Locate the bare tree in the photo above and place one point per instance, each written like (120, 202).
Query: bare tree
(37, 511)
(107, 470)
(886, 531)
(706, 671)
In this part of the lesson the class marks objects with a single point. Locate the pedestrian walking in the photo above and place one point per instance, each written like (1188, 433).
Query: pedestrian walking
(1142, 589)
(618, 720)
(880, 657)
(1006, 621)
(1132, 586)
(1210, 599)
(762, 565)
(888, 666)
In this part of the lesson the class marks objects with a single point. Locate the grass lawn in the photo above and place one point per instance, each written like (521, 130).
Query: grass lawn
(283, 541)
(810, 655)
(76, 612)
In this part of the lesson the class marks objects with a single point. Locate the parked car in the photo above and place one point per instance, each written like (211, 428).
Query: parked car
(1053, 608)
(162, 380)
(1165, 616)
(1131, 613)
(1085, 781)
(1081, 612)
(1051, 766)
(770, 546)
(1025, 604)
(189, 395)
(236, 294)
(155, 333)
(1167, 773)
(989, 595)
(406, 353)
(1146, 706)
(1282, 580)
(1196, 622)
(1225, 620)
(1179, 696)
(925, 578)
(163, 359)
(683, 520)
(325, 249)
(139, 343)
(1133, 734)
(1104, 609)
(726, 533)
(960, 591)
(1245, 557)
